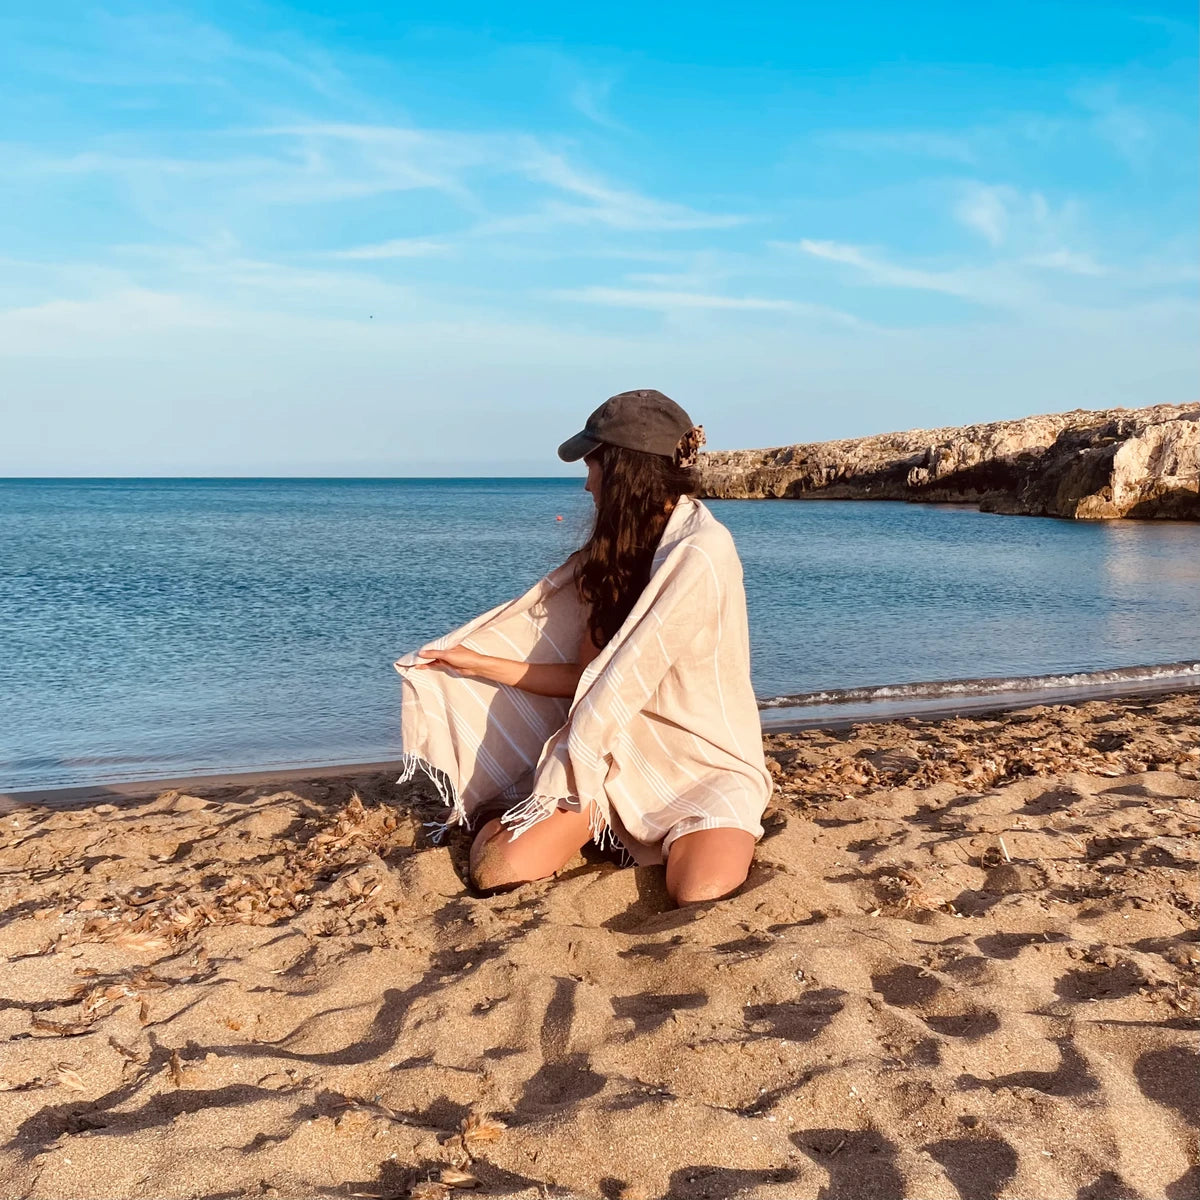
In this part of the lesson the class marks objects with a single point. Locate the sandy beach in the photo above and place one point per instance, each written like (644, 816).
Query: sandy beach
(965, 965)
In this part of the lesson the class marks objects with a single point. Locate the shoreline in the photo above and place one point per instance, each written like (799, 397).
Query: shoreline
(776, 719)
(789, 719)
(141, 789)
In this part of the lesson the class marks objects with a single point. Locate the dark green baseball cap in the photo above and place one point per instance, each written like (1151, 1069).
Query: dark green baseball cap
(644, 420)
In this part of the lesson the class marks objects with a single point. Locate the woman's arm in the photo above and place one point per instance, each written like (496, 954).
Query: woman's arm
(543, 679)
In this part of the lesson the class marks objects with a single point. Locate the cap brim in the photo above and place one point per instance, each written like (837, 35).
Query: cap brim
(573, 449)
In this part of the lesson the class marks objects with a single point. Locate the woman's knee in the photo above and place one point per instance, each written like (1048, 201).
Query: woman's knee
(492, 862)
(498, 859)
(697, 891)
(710, 864)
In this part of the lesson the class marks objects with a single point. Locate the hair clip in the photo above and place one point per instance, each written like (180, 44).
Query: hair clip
(689, 446)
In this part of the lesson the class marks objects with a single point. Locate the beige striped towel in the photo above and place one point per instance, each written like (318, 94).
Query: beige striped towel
(662, 737)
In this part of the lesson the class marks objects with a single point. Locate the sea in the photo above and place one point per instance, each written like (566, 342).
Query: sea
(157, 628)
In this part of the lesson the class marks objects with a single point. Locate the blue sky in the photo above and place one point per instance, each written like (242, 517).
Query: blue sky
(243, 238)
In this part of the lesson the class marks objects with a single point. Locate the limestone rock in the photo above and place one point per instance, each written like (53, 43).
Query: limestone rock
(1142, 462)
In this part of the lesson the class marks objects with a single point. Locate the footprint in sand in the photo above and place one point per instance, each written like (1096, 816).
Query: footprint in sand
(978, 1167)
(942, 1008)
(1070, 1078)
(798, 1020)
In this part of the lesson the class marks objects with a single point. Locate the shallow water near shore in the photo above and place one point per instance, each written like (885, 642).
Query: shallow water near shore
(157, 627)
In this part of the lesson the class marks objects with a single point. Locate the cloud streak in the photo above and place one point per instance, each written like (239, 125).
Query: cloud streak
(882, 273)
(590, 99)
(985, 210)
(395, 248)
(674, 302)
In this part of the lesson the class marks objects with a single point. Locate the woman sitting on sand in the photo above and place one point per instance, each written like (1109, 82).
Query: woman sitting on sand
(613, 700)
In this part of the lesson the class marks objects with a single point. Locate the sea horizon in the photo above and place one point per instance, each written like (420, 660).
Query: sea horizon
(564, 478)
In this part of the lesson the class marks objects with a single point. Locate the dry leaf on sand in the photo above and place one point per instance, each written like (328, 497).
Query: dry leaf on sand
(478, 1130)
(453, 1177)
(61, 1028)
(69, 1078)
(429, 1191)
(141, 943)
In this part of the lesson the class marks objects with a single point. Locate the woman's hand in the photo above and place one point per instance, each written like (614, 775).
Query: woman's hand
(458, 658)
(542, 679)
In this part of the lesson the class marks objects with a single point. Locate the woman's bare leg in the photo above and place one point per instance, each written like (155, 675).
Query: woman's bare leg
(498, 860)
(708, 864)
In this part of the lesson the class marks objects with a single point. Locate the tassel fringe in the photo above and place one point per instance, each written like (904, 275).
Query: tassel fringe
(602, 834)
(524, 816)
(446, 790)
(517, 820)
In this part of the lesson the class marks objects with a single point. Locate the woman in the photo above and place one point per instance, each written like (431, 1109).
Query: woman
(612, 700)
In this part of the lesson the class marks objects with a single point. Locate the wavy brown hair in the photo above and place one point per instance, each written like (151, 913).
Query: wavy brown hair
(637, 491)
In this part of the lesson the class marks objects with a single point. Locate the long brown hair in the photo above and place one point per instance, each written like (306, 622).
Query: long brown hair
(637, 491)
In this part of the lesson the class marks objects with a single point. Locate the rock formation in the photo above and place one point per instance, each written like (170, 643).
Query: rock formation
(1121, 462)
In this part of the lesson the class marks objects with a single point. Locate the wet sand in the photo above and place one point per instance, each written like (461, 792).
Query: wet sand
(965, 965)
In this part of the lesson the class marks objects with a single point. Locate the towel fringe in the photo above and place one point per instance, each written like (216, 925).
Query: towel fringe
(603, 836)
(446, 790)
(524, 816)
(517, 820)
(602, 833)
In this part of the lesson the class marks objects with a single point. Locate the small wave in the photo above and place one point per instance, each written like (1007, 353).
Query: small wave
(1187, 673)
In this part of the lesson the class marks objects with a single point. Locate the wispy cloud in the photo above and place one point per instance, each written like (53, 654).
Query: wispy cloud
(882, 273)
(663, 300)
(226, 171)
(1023, 222)
(396, 248)
(1095, 115)
(142, 50)
(604, 204)
(1067, 260)
(315, 163)
(1002, 284)
(1059, 280)
(985, 210)
(125, 314)
(1126, 127)
(946, 145)
(331, 159)
(1027, 283)
(660, 300)
(590, 98)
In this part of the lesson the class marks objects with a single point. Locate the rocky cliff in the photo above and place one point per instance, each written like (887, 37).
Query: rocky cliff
(1121, 462)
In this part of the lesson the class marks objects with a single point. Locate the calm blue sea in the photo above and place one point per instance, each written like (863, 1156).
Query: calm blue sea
(152, 627)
